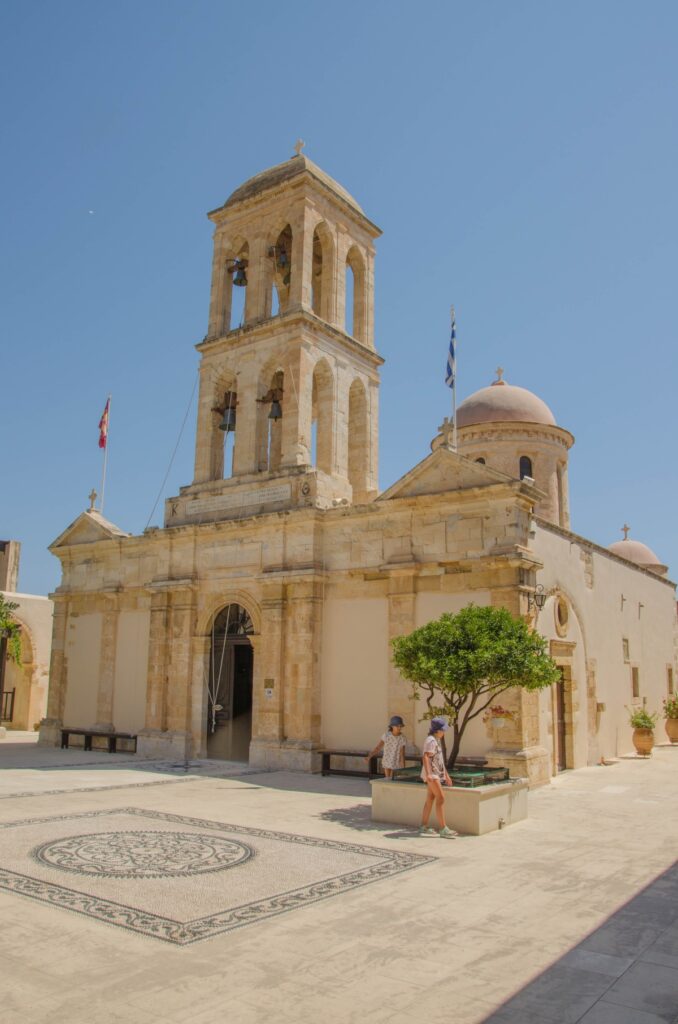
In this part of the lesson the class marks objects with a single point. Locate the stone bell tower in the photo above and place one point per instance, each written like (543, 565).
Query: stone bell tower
(288, 400)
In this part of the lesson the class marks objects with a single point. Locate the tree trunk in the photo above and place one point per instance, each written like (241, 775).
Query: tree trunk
(3, 661)
(456, 743)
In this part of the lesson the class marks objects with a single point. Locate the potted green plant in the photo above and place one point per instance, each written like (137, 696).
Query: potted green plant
(671, 716)
(643, 723)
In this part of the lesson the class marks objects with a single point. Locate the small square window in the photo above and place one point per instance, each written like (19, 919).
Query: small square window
(635, 682)
(625, 649)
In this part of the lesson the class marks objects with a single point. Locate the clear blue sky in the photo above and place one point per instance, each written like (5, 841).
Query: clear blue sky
(520, 158)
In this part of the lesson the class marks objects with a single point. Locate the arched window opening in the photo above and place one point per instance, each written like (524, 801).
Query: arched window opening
(269, 423)
(237, 265)
(525, 467)
(229, 689)
(354, 316)
(317, 275)
(358, 440)
(280, 275)
(350, 300)
(227, 424)
(322, 406)
(481, 460)
(224, 418)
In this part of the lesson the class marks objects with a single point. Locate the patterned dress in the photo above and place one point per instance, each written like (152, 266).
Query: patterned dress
(391, 757)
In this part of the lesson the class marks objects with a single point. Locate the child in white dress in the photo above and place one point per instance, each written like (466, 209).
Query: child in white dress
(393, 744)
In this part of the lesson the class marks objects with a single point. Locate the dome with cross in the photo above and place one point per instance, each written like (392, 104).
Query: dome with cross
(502, 402)
(638, 553)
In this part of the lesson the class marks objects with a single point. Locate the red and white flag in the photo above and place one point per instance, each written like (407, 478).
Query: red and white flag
(103, 425)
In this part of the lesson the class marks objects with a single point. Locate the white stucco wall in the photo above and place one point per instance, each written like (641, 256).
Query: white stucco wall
(131, 661)
(83, 651)
(594, 584)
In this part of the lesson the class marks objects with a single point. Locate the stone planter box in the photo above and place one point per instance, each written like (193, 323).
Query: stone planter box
(472, 811)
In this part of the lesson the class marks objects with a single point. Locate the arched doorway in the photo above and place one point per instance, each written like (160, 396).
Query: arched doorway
(229, 697)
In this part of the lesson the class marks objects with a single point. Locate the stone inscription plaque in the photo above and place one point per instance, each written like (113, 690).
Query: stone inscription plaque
(242, 499)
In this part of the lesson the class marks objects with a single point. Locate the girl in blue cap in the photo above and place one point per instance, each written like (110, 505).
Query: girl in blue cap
(434, 774)
(393, 744)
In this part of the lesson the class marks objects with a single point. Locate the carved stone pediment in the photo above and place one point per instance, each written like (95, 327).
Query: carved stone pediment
(88, 528)
(441, 471)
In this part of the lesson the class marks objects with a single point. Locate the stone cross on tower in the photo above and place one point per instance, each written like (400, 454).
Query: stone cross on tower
(299, 146)
(625, 530)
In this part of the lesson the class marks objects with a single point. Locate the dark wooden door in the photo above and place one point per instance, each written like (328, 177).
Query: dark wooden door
(560, 730)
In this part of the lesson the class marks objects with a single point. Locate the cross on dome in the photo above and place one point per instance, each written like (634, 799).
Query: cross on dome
(500, 373)
(625, 530)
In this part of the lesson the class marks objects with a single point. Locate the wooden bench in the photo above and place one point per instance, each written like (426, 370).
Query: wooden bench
(89, 734)
(372, 771)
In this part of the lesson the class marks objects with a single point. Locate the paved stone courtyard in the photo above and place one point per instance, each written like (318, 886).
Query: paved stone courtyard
(160, 892)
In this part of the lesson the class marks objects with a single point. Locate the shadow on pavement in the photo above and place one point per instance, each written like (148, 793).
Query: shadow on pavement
(625, 972)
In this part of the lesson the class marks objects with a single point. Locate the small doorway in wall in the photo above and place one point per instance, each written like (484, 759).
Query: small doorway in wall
(560, 724)
(229, 704)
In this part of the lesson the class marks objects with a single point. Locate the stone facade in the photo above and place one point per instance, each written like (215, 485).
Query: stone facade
(25, 684)
(283, 524)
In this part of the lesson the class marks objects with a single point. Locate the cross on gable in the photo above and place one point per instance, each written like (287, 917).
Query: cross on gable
(92, 498)
(446, 428)
(299, 146)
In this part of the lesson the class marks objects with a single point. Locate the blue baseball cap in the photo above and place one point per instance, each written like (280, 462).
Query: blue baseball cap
(438, 725)
(396, 720)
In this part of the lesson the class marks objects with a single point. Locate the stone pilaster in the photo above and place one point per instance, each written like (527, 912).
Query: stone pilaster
(220, 292)
(56, 696)
(301, 696)
(200, 654)
(256, 280)
(297, 417)
(302, 261)
(517, 743)
(150, 740)
(269, 679)
(109, 637)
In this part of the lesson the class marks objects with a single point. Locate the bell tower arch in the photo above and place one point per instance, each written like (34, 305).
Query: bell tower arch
(289, 383)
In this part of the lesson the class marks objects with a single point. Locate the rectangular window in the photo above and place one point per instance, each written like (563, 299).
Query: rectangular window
(669, 680)
(625, 649)
(635, 683)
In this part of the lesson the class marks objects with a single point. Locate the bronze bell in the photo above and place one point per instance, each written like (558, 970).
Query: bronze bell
(228, 422)
(276, 411)
(240, 277)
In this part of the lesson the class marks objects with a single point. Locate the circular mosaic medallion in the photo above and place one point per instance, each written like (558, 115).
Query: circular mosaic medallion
(142, 854)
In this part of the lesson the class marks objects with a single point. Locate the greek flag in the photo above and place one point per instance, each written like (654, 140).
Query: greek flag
(451, 368)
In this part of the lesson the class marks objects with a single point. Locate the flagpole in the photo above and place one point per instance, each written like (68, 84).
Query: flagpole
(454, 386)
(103, 475)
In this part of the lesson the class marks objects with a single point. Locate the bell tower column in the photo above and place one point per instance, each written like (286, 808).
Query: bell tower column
(220, 292)
(302, 260)
(297, 419)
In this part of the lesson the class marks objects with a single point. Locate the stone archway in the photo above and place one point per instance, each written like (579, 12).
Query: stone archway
(230, 678)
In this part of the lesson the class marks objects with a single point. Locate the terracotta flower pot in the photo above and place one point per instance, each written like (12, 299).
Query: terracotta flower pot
(671, 726)
(643, 741)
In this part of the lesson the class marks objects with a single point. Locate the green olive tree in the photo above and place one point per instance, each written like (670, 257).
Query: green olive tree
(461, 663)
